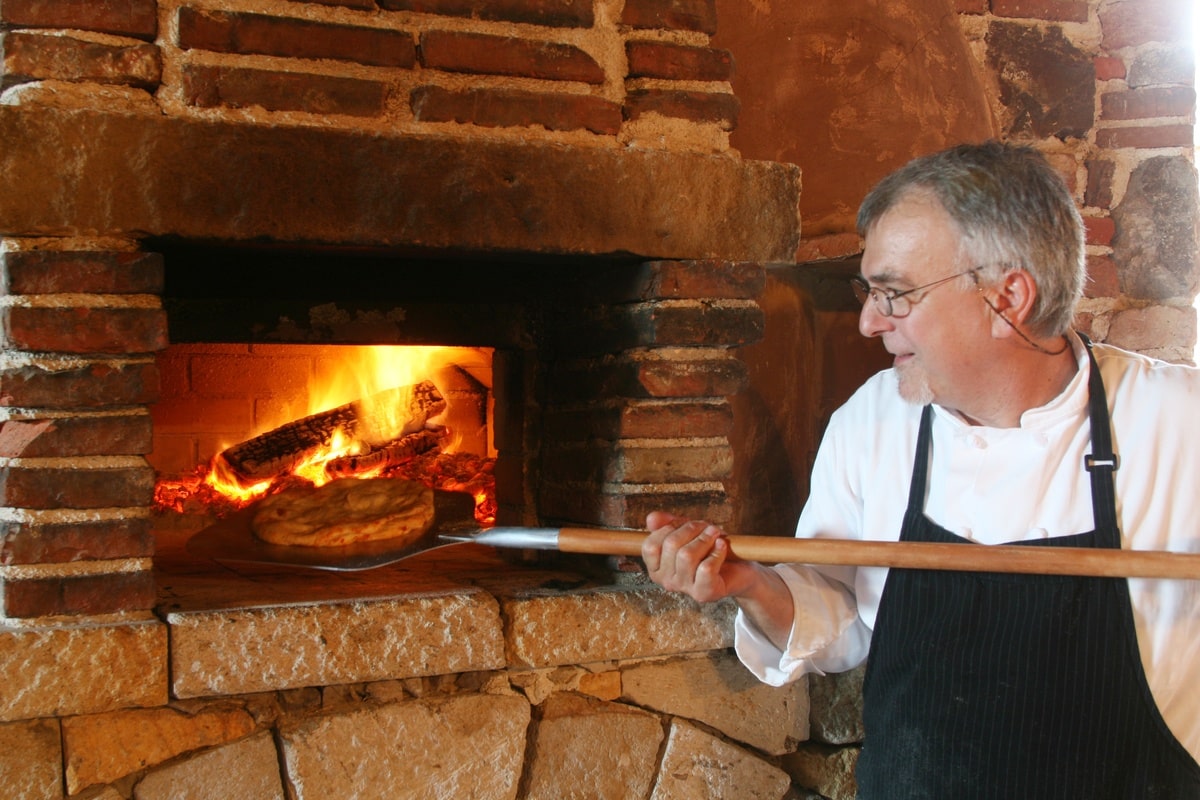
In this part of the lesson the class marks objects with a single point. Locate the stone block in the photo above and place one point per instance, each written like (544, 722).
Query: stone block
(248, 768)
(698, 766)
(1155, 245)
(103, 748)
(719, 692)
(82, 668)
(458, 746)
(246, 650)
(829, 771)
(611, 749)
(1047, 83)
(836, 706)
(31, 759)
(615, 623)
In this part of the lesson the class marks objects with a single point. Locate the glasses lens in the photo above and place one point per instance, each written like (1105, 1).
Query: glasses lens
(861, 290)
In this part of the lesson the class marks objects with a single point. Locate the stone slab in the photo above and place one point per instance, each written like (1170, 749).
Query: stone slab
(82, 669)
(239, 651)
(224, 181)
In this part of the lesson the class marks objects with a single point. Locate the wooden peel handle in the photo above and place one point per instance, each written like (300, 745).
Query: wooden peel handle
(1027, 559)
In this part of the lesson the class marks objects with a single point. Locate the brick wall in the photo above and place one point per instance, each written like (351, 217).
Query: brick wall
(639, 72)
(1106, 87)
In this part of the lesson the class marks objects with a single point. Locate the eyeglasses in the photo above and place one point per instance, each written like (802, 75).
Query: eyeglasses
(895, 304)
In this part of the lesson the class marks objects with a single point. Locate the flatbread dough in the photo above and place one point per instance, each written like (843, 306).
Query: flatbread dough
(345, 511)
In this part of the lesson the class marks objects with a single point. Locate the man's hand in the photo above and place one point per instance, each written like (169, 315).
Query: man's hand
(693, 557)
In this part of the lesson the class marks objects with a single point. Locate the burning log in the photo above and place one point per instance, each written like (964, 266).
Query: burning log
(287, 447)
(389, 455)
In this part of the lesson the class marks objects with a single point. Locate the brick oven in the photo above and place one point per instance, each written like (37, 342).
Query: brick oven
(262, 184)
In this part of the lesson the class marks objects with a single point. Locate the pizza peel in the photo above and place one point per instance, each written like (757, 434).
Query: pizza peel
(966, 557)
(231, 539)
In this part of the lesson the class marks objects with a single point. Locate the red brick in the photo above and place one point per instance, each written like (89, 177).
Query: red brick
(70, 487)
(1102, 278)
(556, 13)
(1135, 23)
(705, 279)
(684, 15)
(1151, 137)
(236, 87)
(97, 385)
(55, 272)
(84, 330)
(1109, 68)
(130, 17)
(364, 5)
(87, 595)
(695, 379)
(1154, 101)
(1053, 10)
(1099, 230)
(629, 510)
(76, 436)
(605, 463)
(31, 55)
(1099, 191)
(484, 54)
(721, 109)
(498, 108)
(231, 32)
(36, 543)
(678, 62)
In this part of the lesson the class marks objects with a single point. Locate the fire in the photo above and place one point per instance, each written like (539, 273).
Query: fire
(367, 378)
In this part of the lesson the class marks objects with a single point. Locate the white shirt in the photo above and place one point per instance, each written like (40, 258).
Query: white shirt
(996, 485)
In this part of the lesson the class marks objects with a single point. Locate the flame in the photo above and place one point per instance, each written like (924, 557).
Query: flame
(357, 374)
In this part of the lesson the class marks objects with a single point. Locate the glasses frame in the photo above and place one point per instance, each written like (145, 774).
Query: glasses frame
(885, 300)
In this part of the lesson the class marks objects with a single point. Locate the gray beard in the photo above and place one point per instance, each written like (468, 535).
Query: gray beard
(914, 388)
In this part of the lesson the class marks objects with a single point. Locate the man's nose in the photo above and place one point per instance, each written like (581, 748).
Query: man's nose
(871, 321)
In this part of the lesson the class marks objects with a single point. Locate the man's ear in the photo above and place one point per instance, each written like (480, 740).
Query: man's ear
(1013, 297)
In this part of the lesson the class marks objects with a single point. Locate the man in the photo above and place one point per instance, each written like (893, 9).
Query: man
(991, 427)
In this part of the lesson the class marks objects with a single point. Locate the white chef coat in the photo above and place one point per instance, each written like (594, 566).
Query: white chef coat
(997, 485)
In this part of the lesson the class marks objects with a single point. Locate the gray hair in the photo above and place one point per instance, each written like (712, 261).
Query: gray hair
(1013, 210)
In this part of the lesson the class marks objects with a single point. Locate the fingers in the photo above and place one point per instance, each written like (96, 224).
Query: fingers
(684, 555)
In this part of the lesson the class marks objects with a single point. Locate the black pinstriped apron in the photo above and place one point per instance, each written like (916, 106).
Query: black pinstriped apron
(1014, 687)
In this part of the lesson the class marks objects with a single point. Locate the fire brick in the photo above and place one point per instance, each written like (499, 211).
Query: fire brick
(31, 55)
(484, 54)
(497, 108)
(229, 32)
(54, 272)
(1159, 101)
(79, 436)
(38, 543)
(70, 487)
(99, 385)
(235, 87)
(1052, 10)
(84, 330)
(719, 108)
(684, 15)
(556, 13)
(90, 594)
(678, 62)
(1151, 137)
(129, 17)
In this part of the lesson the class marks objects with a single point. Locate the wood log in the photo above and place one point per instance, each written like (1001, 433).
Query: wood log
(282, 449)
(389, 455)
